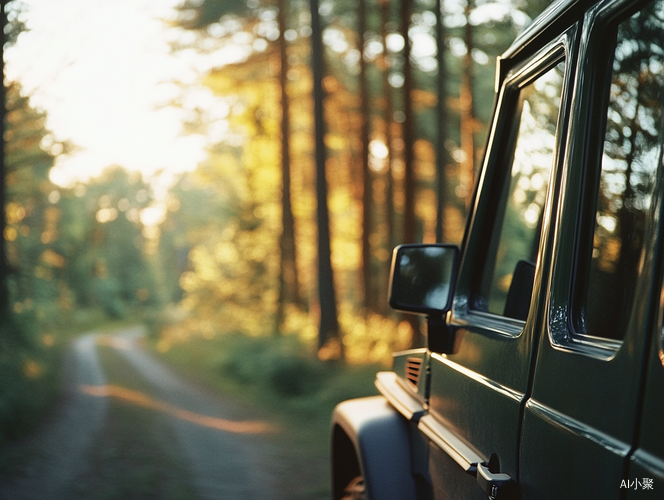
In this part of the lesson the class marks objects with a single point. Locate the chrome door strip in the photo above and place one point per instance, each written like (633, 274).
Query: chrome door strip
(447, 441)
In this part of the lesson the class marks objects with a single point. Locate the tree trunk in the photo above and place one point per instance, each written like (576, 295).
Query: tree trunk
(4, 290)
(388, 119)
(367, 198)
(410, 230)
(441, 151)
(329, 323)
(467, 175)
(288, 278)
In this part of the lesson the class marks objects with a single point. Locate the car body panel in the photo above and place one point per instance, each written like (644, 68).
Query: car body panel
(647, 461)
(581, 420)
(380, 435)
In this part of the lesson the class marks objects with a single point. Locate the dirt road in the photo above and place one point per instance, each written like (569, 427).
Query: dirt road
(224, 453)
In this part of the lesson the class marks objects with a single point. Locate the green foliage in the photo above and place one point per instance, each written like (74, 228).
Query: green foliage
(190, 209)
(29, 219)
(112, 269)
(14, 14)
(197, 14)
(292, 377)
(70, 247)
(279, 365)
(230, 275)
(71, 253)
(28, 377)
(27, 363)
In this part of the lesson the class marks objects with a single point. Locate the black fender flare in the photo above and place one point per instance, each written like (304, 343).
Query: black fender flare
(380, 437)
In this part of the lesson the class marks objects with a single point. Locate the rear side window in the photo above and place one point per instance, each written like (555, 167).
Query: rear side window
(507, 280)
(630, 158)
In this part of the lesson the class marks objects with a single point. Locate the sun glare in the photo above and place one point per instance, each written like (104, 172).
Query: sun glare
(105, 74)
(153, 215)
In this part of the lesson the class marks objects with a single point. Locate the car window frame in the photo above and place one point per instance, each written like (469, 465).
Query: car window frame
(493, 175)
(585, 152)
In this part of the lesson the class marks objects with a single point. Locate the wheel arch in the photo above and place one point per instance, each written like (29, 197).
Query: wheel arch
(369, 437)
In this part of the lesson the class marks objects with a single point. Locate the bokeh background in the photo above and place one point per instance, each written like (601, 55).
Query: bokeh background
(233, 176)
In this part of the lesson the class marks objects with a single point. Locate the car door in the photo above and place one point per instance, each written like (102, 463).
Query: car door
(581, 421)
(645, 473)
(477, 391)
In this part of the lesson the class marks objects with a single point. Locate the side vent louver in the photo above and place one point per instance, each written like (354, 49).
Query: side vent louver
(413, 370)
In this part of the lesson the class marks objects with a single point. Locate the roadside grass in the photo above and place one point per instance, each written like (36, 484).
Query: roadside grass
(29, 385)
(134, 455)
(281, 380)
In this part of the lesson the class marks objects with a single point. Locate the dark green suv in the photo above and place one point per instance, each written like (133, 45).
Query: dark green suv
(543, 377)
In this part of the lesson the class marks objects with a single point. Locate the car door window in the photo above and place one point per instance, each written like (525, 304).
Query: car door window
(630, 158)
(507, 280)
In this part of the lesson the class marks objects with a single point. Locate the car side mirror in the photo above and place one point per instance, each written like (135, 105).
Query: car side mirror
(422, 278)
(422, 281)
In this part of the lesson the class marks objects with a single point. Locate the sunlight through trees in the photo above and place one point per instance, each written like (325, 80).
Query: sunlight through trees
(332, 120)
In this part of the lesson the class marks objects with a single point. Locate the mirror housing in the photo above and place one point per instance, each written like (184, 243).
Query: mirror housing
(422, 278)
(422, 281)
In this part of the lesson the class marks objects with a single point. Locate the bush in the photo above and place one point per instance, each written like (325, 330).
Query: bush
(294, 376)
(27, 376)
(107, 291)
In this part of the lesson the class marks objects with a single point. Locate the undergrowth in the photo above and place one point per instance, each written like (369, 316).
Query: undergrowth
(28, 376)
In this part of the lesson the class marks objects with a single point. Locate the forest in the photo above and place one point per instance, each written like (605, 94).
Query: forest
(337, 130)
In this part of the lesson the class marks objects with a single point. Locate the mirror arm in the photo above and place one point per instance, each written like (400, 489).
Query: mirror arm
(440, 336)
